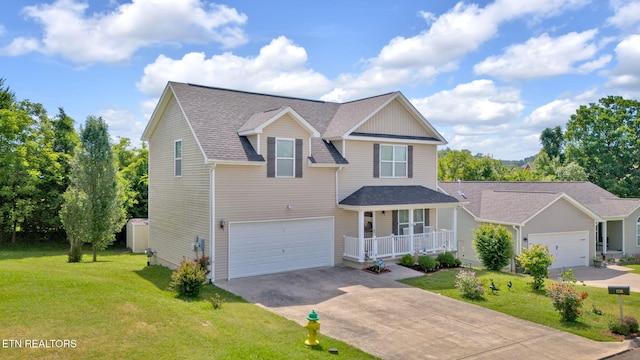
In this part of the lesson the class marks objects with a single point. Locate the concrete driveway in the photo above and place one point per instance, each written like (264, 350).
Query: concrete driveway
(612, 275)
(394, 321)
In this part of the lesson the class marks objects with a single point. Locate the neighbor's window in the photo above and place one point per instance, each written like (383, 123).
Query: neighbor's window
(638, 232)
(393, 161)
(177, 158)
(285, 162)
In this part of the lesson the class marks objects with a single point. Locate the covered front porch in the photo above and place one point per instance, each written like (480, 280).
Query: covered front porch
(395, 220)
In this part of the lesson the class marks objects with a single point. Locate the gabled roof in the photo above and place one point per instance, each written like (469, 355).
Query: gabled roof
(371, 196)
(219, 118)
(517, 201)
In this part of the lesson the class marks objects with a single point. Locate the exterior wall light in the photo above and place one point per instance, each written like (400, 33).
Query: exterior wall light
(222, 223)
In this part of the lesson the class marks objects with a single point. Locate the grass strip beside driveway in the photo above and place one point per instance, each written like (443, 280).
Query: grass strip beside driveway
(524, 303)
(118, 308)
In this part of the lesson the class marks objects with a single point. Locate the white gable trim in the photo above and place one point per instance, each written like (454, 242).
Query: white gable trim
(167, 94)
(410, 108)
(287, 110)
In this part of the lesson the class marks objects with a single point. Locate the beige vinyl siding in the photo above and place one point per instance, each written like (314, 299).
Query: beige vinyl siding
(178, 206)
(561, 216)
(630, 245)
(360, 170)
(466, 225)
(395, 119)
(244, 193)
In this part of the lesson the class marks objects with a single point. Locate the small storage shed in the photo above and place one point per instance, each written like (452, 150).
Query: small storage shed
(138, 235)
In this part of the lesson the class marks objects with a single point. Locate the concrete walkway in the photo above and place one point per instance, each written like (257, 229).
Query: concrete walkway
(394, 321)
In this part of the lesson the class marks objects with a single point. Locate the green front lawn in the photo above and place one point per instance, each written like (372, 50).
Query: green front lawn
(118, 308)
(635, 267)
(524, 303)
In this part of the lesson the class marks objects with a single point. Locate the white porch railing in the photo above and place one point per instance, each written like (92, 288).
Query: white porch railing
(433, 242)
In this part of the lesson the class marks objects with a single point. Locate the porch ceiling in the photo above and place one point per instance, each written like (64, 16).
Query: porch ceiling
(396, 197)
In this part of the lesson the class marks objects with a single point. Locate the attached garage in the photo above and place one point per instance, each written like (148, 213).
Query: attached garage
(569, 249)
(265, 247)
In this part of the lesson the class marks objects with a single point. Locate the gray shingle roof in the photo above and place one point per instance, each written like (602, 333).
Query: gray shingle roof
(515, 200)
(218, 115)
(396, 195)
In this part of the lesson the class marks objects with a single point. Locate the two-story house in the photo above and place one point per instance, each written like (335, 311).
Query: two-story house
(264, 184)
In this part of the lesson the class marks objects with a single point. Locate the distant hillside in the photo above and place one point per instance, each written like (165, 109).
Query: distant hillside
(514, 163)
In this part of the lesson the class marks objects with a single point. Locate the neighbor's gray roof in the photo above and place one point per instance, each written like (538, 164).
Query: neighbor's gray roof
(217, 115)
(396, 195)
(518, 200)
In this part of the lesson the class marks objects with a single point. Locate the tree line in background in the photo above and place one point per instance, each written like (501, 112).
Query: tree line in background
(42, 155)
(601, 144)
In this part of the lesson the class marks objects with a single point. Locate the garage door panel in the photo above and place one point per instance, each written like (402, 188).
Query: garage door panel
(568, 248)
(257, 247)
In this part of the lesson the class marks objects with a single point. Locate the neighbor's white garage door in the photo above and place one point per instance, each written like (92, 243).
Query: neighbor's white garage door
(265, 247)
(567, 248)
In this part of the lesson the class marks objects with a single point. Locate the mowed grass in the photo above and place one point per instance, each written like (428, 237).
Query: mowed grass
(524, 303)
(635, 267)
(118, 308)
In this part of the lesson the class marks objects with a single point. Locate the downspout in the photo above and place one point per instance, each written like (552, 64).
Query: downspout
(338, 186)
(212, 228)
(518, 245)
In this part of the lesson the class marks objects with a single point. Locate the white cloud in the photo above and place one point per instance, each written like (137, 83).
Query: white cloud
(545, 56)
(627, 74)
(114, 36)
(278, 69)
(627, 15)
(557, 112)
(123, 123)
(478, 103)
(438, 49)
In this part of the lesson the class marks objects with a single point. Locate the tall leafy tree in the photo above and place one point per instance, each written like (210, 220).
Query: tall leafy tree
(133, 164)
(19, 174)
(95, 193)
(7, 97)
(552, 140)
(604, 139)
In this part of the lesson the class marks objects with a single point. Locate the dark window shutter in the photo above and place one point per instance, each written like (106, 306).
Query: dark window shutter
(410, 161)
(394, 222)
(271, 157)
(298, 158)
(426, 217)
(376, 160)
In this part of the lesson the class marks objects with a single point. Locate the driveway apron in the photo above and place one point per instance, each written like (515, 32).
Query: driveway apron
(395, 321)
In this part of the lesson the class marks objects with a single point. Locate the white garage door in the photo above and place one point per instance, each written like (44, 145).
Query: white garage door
(265, 247)
(567, 248)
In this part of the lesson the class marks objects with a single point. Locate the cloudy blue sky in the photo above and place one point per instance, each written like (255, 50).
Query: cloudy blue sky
(489, 75)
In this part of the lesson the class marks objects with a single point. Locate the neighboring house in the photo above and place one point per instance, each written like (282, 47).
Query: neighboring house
(577, 220)
(266, 184)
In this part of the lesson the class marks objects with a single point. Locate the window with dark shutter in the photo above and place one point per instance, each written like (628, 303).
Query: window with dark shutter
(298, 158)
(410, 161)
(271, 157)
(376, 160)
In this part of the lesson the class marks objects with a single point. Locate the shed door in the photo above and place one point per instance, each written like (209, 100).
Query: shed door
(265, 247)
(569, 249)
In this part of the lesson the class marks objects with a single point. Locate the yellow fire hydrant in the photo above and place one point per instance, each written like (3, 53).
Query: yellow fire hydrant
(313, 326)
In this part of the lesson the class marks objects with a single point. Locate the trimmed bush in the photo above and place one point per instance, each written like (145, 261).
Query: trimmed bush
(188, 279)
(470, 287)
(407, 260)
(536, 260)
(427, 263)
(493, 246)
(625, 327)
(447, 260)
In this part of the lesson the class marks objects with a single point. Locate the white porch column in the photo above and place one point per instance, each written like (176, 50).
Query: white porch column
(411, 228)
(454, 220)
(604, 237)
(361, 236)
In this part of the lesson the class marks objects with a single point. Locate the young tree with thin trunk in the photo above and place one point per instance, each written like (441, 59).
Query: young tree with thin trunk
(95, 193)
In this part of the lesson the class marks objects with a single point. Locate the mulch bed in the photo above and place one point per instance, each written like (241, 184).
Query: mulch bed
(621, 337)
(418, 268)
(374, 270)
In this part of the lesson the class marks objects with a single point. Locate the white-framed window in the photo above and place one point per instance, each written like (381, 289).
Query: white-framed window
(420, 221)
(177, 158)
(393, 161)
(638, 232)
(285, 157)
